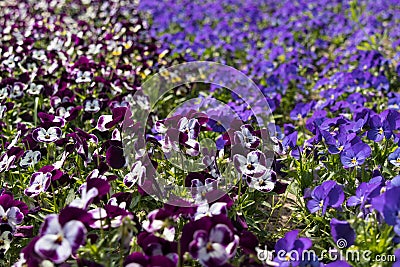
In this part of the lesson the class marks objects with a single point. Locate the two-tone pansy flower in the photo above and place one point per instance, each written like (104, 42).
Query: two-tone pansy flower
(29, 158)
(49, 135)
(39, 183)
(58, 239)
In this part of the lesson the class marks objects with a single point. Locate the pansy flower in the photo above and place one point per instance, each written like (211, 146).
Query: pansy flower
(91, 105)
(6, 162)
(290, 247)
(388, 204)
(160, 220)
(39, 183)
(12, 212)
(153, 246)
(252, 165)
(394, 158)
(364, 193)
(264, 183)
(35, 89)
(17, 90)
(328, 194)
(29, 158)
(355, 155)
(83, 77)
(58, 240)
(138, 172)
(339, 141)
(94, 187)
(246, 137)
(12, 216)
(380, 128)
(205, 209)
(109, 216)
(215, 246)
(301, 110)
(47, 136)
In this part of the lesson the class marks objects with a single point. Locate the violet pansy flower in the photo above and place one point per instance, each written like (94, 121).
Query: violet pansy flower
(394, 158)
(388, 204)
(288, 247)
(355, 155)
(328, 194)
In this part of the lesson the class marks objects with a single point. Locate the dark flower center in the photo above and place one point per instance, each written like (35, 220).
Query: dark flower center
(1, 242)
(209, 247)
(4, 219)
(59, 239)
(47, 136)
(250, 167)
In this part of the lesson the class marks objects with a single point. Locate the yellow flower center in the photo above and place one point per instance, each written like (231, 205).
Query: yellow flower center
(59, 239)
(209, 247)
(354, 161)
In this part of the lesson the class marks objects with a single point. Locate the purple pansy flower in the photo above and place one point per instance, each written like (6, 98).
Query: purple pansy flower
(339, 142)
(6, 162)
(83, 77)
(48, 136)
(394, 158)
(355, 155)
(364, 193)
(388, 204)
(301, 110)
(290, 248)
(58, 241)
(328, 194)
(91, 105)
(380, 128)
